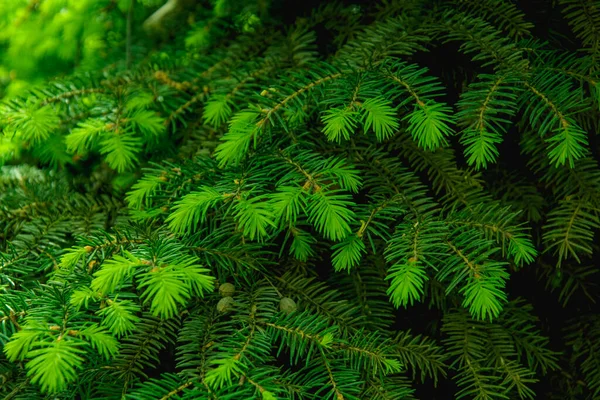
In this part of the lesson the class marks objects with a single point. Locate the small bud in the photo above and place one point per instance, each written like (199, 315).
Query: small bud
(91, 266)
(88, 249)
(225, 304)
(226, 290)
(287, 305)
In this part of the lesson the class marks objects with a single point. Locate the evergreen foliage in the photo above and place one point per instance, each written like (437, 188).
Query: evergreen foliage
(273, 200)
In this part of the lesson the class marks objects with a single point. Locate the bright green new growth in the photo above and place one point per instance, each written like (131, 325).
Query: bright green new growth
(372, 203)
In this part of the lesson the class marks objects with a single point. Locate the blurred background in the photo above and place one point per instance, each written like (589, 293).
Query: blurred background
(41, 39)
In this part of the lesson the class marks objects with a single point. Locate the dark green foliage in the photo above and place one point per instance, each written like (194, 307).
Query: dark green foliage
(394, 200)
